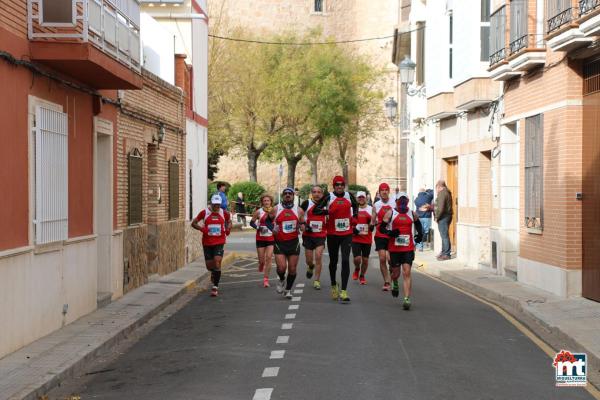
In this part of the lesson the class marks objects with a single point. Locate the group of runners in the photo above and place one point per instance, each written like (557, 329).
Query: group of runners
(339, 220)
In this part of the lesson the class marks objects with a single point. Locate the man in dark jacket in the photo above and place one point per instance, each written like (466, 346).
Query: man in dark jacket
(443, 216)
(423, 207)
(240, 208)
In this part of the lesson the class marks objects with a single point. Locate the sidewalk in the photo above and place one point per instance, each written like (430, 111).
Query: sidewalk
(40, 366)
(571, 324)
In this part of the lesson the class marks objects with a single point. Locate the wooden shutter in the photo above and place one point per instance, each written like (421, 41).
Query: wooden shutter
(135, 187)
(173, 188)
(51, 176)
(534, 144)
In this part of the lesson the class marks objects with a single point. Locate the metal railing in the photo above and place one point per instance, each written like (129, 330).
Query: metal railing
(498, 56)
(497, 36)
(530, 41)
(561, 13)
(587, 6)
(112, 26)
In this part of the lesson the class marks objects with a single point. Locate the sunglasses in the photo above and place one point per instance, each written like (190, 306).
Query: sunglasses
(338, 184)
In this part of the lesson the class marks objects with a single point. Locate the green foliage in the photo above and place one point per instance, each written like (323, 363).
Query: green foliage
(212, 188)
(252, 192)
(305, 190)
(357, 188)
(213, 162)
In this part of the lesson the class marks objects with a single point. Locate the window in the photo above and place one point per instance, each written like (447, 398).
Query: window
(319, 6)
(497, 36)
(534, 145)
(420, 72)
(484, 31)
(51, 175)
(134, 193)
(518, 26)
(451, 28)
(173, 188)
(191, 198)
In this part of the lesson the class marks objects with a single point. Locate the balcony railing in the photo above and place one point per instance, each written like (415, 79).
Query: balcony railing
(530, 41)
(587, 6)
(561, 13)
(112, 26)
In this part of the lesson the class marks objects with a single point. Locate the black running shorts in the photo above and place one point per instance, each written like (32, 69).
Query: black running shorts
(288, 247)
(311, 243)
(210, 252)
(381, 243)
(405, 257)
(361, 249)
(264, 243)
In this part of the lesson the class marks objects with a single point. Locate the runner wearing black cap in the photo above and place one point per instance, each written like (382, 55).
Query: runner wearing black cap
(315, 233)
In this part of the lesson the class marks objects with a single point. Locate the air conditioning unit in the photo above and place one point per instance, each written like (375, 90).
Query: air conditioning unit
(58, 12)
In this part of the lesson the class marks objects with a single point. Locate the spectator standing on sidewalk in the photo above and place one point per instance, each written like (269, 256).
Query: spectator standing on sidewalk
(240, 208)
(221, 187)
(443, 216)
(423, 205)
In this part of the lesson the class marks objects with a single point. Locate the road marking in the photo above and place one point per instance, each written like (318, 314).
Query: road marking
(298, 291)
(294, 307)
(276, 354)
(300, 285)
(270, 372)
(263, 394)
(287, 326)
(282, 339)
(290, 316)
(296, 298)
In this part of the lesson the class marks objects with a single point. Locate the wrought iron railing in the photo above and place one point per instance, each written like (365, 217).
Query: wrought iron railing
(498, 56)
(561, 19)
(587, 6)
(527, 41)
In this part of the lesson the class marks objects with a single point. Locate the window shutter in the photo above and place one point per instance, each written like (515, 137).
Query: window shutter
(51, 175)
(534, 158)
(173, 188)
(135, 187)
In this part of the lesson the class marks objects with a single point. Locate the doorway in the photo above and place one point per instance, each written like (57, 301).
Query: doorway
(452, 183)
(103, 200)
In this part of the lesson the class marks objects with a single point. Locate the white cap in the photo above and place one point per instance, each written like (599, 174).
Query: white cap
(215, 199)
(401, 194)
(361, 194)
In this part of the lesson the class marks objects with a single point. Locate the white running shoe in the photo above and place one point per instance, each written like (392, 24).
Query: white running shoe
(288, 294)
(280, 286)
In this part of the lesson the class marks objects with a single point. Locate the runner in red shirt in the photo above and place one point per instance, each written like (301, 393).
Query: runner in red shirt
(215, 225)
(288, 220)
(264, 236)
(362, 238)
(380, 208)
(315, 232)
(398, 225)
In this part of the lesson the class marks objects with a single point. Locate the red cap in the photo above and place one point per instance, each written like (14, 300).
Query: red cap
(338, 179)
(383, 186)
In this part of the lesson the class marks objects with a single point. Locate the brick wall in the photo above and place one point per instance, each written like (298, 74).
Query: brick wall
(13, 16)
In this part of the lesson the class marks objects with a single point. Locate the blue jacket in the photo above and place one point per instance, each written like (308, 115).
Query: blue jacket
(224, 202)
(422, 199)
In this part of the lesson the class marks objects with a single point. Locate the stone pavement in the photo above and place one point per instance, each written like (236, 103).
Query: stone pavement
(563, 323)
(38, 367)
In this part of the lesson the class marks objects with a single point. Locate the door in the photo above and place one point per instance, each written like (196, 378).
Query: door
(452, 183)
(590, 215)
(104, 210)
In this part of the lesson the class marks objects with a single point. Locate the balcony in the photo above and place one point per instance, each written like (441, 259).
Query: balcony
(441, 106)
(563, 28)
(499, 69)
(527, 52)
(589, 12)
(95, 41)
(475, 92)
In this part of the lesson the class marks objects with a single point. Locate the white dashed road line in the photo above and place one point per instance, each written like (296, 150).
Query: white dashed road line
(263, 394)
(276, 354)
(296, 298)
(287, 326)
(282, 339)
(270, 372)
(299, 291)
(294, 307)
(300, 285)
(290, 316)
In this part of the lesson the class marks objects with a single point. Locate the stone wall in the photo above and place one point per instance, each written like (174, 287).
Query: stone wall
(193, 243)
(170, 240)
(135, 242)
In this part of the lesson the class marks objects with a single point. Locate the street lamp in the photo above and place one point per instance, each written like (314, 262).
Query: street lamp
(406, 69)
(391, 110)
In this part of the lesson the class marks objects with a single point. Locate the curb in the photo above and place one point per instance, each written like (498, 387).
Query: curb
(54, 378)
(553, 336)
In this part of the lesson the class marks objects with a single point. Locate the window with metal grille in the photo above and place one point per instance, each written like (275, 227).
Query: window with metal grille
(134, 193)
(534, 176)
(497, 36)
(51, 176)
(173, 188)
(484, 31)
(591, 77)
(318, 6)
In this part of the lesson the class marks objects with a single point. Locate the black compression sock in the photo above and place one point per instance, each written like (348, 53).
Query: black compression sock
(290, 281)
(216, 276)
(281, 275)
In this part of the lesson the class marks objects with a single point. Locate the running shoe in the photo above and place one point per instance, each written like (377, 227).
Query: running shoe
(309, 271)
(280, 286)
(386, 287)
(406, 303)
(214, 292)
(362, 280)
(288, 294)
(266, 282)
(335, 292)
(344, 296)
(395, 289)
(355, 274)
(317, 285)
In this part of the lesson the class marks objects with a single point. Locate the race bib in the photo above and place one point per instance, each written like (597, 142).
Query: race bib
(214, 230)
(264, 232)
(342, 224)
(402, 240)
(288, 226)
(316, 226)
(363, 229)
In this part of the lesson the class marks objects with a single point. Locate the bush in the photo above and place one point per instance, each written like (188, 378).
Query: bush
(252, 192)
(212, 188)
(305, 190)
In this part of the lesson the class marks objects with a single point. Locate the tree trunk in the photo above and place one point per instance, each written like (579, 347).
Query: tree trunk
(345, 173)
(314, 168)
(291, 171)
(252, 164)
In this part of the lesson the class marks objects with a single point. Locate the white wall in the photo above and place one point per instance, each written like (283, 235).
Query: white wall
(467, 41)
(158, 48)
(436, 49)
(200, 64)
(196, 149)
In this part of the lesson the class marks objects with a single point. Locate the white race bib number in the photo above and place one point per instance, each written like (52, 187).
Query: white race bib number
(288, 226)
(342, 224)
(316, 226)
(263, 231)
(363, 229)
(402, 240)
(214, 230)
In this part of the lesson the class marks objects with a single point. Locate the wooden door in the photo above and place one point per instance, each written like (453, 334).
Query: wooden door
(452, 183)
(590, 211)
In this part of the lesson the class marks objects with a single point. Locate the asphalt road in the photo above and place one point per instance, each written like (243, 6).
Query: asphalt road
(448, 346)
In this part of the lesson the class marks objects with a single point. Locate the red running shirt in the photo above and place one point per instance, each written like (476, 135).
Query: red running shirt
(286, 220)
(404, 242)
(263, 233)
(340, 215)
(381, 209)
(364, 220)
(318, 223)
(214, 232)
